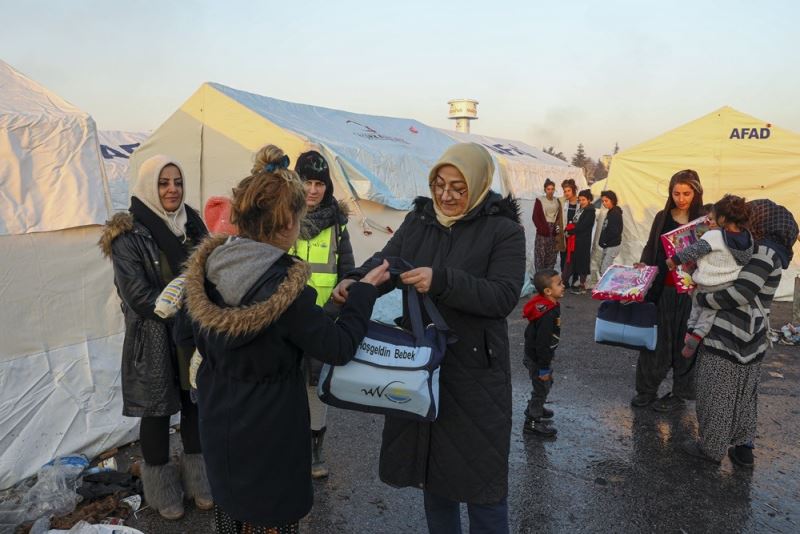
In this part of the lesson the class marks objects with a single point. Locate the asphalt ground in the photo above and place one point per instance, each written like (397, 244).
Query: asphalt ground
(612, 468)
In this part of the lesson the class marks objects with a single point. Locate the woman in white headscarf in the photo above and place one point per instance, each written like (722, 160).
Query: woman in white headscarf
(148, 246)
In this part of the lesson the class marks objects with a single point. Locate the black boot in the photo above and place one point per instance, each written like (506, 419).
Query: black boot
(539, 428)
(318, 469)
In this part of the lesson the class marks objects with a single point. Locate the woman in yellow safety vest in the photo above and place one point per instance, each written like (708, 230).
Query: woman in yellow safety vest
(325, 245)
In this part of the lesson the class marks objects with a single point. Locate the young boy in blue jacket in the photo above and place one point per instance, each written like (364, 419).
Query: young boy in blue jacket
(541, 340)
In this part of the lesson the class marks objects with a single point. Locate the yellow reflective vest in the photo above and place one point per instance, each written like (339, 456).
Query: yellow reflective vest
(322, 253)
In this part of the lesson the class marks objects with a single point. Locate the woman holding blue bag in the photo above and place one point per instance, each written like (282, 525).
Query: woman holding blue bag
(254, 317)
(685, 203)
(469, 248)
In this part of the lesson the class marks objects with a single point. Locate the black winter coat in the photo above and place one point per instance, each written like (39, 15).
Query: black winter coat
(478, 270)
(611, 235)
(582, 256)
(150, 385)
(254, 418)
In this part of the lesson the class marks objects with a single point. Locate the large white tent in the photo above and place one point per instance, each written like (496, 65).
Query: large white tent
(60, 322)
(379, 164)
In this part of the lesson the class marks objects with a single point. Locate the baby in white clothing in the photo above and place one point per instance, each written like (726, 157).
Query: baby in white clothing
(720, 255)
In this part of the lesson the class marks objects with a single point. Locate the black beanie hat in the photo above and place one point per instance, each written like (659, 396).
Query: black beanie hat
(312, 166)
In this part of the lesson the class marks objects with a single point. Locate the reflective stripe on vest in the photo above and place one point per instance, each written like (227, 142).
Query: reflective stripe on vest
(323, 257)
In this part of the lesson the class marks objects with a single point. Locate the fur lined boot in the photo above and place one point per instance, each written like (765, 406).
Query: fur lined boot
(318, 469)
(162, 489)
(195, 481)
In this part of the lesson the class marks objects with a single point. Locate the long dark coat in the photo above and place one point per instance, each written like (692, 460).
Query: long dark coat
(478, 270)
(150, 385)
(582, 256)
(254, 418)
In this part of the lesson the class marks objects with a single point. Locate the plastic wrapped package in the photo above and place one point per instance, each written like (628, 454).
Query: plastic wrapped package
(625, 283)
(677, 240)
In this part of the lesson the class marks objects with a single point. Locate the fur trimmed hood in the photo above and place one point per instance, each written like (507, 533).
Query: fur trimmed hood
(236, 321)
(119, 224)
(493, 204)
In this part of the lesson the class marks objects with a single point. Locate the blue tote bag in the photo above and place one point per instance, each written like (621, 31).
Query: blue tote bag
(395, 371)
(632, 326)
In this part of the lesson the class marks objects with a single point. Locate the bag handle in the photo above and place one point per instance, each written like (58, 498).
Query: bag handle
(397, 266)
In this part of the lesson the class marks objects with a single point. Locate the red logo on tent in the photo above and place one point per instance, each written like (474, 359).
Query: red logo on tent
(413, 130)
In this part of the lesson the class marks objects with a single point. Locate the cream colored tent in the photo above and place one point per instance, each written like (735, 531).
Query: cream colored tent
(732, 152)
(60, 322)
(379, 164)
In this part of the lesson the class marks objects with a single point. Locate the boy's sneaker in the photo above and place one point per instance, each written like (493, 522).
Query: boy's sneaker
(547, 414)
(539, 428)
(741, 455)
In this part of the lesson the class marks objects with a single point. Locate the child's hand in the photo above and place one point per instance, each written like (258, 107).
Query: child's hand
(670, 264)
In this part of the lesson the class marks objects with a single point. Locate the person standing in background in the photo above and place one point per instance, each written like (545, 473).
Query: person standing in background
(568, 208)
(547, 218)
(325, 245)
(611, 234)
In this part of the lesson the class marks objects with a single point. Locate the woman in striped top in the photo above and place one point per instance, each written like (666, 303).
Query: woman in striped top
(729, 360)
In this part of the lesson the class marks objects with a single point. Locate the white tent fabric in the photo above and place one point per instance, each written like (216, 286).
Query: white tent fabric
(116, 148)
(48, 157)
(378, 164)
(60, 322)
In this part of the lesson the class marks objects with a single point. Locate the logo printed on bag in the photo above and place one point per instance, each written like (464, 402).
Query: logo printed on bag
(396, 394)
(405, 353)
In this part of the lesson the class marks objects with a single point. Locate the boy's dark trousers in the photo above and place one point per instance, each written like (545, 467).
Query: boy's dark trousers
(539, 392)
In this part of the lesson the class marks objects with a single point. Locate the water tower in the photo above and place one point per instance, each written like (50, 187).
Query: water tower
(463, 110)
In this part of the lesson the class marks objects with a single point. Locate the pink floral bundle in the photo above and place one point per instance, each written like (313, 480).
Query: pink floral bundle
(677, 240)
(621, 282)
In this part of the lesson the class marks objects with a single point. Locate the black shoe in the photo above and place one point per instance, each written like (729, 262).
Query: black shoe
(539, 428)
(741, 455)
(547, 414)
(642, 400)
(667, 403)
(692, 448)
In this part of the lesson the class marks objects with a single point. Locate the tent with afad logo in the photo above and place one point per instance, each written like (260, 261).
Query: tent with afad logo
(61, 328)
(378, 164)
(732, 152)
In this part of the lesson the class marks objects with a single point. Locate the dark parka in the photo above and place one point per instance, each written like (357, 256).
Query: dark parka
(611, 233)
(150, 385)
(582, 255)
(254, 417)
(478, 269)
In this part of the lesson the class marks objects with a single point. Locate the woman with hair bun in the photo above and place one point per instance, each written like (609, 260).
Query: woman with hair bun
(254, 317)
(547, 220)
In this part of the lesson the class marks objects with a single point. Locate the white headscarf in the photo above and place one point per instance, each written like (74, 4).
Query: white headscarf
(146, 190)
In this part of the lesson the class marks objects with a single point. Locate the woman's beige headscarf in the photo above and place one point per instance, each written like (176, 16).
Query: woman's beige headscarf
(475, 164)
(146, 190)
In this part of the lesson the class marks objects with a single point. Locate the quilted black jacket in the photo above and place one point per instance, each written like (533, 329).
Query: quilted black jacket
(478, 270)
